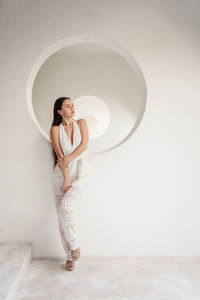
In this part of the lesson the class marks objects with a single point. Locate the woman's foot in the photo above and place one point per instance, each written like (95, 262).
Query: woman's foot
(70, 265)
(75, 254)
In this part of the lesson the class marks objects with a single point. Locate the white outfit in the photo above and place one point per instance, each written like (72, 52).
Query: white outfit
(78, 170)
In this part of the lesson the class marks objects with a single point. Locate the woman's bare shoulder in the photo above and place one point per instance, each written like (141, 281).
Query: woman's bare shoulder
(81, 121)
(54, 129)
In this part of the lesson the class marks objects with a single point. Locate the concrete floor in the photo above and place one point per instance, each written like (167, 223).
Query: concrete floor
(139, 278)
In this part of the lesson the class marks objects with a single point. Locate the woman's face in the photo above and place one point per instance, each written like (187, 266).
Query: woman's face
(67, 108)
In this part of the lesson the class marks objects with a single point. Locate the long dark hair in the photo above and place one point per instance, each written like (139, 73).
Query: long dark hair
(57, 119)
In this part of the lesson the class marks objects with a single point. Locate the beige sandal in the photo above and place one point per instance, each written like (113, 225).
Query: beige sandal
(75, 254)
(70, 265)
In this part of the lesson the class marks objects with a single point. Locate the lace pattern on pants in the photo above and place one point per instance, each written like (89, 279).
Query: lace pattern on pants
(67, 219)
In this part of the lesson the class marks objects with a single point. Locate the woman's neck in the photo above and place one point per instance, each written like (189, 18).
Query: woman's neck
(67, 122)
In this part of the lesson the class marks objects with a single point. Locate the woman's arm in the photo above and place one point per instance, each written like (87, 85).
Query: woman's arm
(77, 153)
(80, 150)
(54, 135)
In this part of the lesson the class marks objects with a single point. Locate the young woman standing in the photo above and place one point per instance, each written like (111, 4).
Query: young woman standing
(69, 139)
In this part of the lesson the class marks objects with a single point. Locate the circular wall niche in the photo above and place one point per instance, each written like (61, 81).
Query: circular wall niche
(103, 80)
(96, 112)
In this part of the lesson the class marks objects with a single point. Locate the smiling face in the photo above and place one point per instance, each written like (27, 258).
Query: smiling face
(67, 110)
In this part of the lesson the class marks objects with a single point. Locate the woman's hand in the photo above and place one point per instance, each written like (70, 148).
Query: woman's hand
(67, 184)
(63, 167)
(61, 163)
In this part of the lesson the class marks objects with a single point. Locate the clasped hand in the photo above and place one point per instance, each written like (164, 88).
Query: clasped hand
(61, 162)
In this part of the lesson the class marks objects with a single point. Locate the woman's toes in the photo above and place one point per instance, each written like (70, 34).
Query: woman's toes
(75, 254)
(70, 265)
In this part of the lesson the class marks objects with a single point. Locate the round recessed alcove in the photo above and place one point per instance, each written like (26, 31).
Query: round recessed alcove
(96, 112)
(104, 82)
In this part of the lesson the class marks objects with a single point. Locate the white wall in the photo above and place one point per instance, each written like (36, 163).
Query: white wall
(106, 76)
(143, 196)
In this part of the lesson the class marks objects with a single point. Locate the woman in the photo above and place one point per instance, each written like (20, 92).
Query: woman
(69, 140)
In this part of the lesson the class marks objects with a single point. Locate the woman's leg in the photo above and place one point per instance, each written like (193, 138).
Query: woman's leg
(67, 220)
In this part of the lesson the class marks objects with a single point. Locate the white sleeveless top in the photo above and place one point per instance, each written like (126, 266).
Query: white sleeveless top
(78, 167)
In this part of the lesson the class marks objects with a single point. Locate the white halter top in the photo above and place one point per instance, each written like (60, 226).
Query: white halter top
(68, 148)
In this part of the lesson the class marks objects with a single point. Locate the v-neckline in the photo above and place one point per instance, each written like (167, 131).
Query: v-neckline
(67, 135)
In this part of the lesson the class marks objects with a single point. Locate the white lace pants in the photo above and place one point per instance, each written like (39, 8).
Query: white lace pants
(67, 219)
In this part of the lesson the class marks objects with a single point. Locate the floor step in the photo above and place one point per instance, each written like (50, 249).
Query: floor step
(15, 259)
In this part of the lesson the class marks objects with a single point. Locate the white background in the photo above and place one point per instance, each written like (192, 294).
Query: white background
(143, 197)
